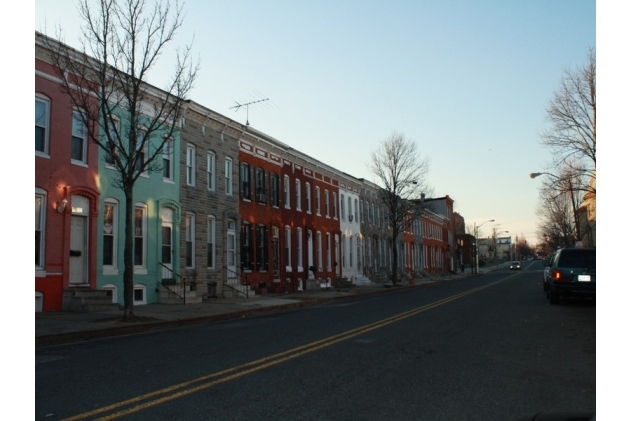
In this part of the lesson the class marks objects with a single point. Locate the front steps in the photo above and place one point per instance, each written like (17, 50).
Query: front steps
(83, 300)
(176, 294)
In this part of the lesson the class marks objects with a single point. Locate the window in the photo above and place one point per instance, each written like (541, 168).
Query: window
(356, 212)
(78, 143)
(326, 203)
(167, 160)
(42, 123)
(141, 150)
(343, 217)
(190, 165)
(298, 196)
(228, 175)
(319, 249)
(261, 249)
(317, 200)
(261, 191)
(140, 294)
(287, 204)
(350, 251)
(113, 140)
(140, 233)
(299, 248)
(210, 242)
(350, 210)
(190, 240)
(246, 246)
(343, 245)
(288, 249)
(245, 181)
(275, 191)
(210, 171)
(308, 197)
(40, 207)
(328, 251)
(334, 205)
(110, 227)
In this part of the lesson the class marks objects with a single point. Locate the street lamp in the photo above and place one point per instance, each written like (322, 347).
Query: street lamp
(569, 180)
(475, 231)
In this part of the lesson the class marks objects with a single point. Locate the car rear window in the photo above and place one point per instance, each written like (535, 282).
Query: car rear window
(578, 258)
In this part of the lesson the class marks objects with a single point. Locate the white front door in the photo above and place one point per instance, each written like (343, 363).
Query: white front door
(78, 250)
(231, 242)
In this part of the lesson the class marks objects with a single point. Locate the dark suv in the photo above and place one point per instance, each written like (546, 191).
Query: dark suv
(572, 272)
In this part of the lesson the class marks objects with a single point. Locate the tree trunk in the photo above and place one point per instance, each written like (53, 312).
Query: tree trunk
(128, 274)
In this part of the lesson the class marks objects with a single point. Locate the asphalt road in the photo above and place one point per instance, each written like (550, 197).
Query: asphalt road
(482, 348)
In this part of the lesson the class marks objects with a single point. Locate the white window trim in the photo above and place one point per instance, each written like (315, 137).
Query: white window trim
(287, 191)
(190, 165)
(144, 294)
(113, 268)
(46, 152)
(298, 196)
(142, 269)
(114, 289)
(211, 234)
(167, 151)
(190, 225)
(288, 247)
(299, 249)
(116, 123)
(40, 271)
(317, 200)
(83, 162)
(228, 168)
(308, 197)
(211, 179)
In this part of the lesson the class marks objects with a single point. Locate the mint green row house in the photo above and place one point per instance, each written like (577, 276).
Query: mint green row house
(157, 215)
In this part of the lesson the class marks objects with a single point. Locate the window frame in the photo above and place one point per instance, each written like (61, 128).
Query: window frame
(189, 240)
(40, 246)
(317, 200)
(211, 165)
(190, 165)
(83, 161)
(260, 187)
(114, 235)
(211, 241)
(228, 165)
(142, 267)
(298, 195)
(275, 189)
(245, 181)
(308, 197)
(287, 248)
(167, 159)
(45, 152)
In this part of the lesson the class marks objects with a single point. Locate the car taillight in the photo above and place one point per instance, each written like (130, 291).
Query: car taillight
(556, 275)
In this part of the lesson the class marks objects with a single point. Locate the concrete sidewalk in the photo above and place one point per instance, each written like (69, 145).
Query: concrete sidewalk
(56, 328)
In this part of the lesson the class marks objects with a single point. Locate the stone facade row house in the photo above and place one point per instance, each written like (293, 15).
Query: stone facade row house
(233, 211)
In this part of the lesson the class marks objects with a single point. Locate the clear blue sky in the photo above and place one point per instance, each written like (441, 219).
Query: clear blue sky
(469, 81)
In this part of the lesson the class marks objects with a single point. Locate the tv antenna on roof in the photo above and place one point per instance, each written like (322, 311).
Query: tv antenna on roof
(247, 109)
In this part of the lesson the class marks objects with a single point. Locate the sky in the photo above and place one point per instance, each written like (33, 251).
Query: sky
(468, 81)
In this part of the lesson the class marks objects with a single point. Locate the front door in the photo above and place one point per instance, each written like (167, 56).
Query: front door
(78, 250)
(231, 242)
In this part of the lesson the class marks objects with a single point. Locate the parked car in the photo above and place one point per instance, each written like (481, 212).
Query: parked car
(515, 265)
(572, 272)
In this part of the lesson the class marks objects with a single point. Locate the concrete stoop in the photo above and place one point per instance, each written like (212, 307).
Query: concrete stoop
(83, 300)
(179, 296)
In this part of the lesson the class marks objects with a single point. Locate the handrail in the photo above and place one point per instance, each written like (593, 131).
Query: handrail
(243, 280)
(166, 271)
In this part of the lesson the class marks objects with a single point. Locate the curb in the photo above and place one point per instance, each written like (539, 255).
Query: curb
(141, 327)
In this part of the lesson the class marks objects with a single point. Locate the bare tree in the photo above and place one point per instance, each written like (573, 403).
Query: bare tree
(121, 41)
(556, 217)
(571, 136)
(401, 172)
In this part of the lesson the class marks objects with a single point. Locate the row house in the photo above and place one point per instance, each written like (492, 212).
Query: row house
(66, 191)
(444, 206)
(209, 194)
(228, 208)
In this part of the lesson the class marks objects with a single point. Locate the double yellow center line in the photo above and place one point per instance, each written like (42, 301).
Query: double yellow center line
(177, 391)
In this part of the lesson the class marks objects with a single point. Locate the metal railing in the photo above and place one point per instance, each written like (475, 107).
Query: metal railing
(173, 282)
(234, 280)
